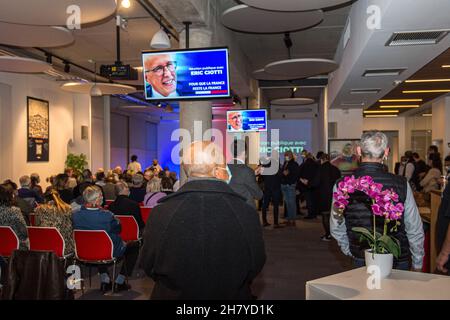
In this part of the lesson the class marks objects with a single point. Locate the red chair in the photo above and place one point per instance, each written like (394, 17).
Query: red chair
(9, 241)
(47, 239)
(94, 247)
(145, 213)
(130, 229)
(108, 203)
(32, 217)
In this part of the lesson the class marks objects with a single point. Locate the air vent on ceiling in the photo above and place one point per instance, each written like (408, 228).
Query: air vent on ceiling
(416, 38)
(352, 104)
(365, 91)
(383, 72)
(289, 110)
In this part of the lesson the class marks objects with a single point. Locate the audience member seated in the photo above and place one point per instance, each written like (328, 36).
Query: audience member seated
(100, 178)
(35, 180)
(72, 183)
(87, 181)
(92, 217)
(109, 187)
(148, 175)
(11, 216)
(61, 185)
(123, 205)
(432, 178)
(24, 206)
(27, 194)
(153, 193)
(203, 242)
(57, 213)
(117, 172)
(137, 190)
(166, 185)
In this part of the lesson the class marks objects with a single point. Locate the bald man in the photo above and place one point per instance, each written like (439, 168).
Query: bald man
(235, 121)
(204, 241)
(160, 73)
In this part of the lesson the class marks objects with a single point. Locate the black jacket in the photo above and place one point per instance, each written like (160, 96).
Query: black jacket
(125, 206)
(137, 194)
(203, 242)
(243, 182)
(292, 177)
(309, 171)
(324, 181)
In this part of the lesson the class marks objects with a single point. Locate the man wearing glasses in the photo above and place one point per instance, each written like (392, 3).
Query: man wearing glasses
(235, 121)
(160, 73)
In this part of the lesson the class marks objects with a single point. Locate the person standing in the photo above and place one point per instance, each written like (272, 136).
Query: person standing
(289, 177)
(243, 179)
(443, 233)
(325, 180)
(134, 166)
(272, 190)
(307, 172)
(374, 150)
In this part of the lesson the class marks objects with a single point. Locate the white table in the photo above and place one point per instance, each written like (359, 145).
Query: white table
(400, 285)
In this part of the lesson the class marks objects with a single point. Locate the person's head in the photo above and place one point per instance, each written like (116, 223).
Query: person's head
(134, 158)
(155, 162)
(118, 170)
(166, 184)
(60, 182)
(324, 158)
(6, 195)
(87, 175)
(148, 175)
(122, 189)
(433, 149)
(154, 185)
(304, 153)
(409, 155)
(167, 172)
(288, 155)
(235, 120)
(239, 149)
(137, 180)
(435, 161)
(373, 146)
(347, 151)
(35, 179)
(93, 197)
(160, 73)
(204, 159)
(110, 178)
(173, 175)
(447, 161)
(25, 182)
(404, 160)
(416, 156)
(100, 176)
(69, 172)
(319, 155)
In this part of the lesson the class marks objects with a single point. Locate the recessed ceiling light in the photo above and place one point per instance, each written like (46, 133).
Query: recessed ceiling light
(427, 80)
(427, 115)
(383, 72)
(381, 111)
(402, 106)
(364, 91)
(126, 4)
(446, 66)
(381, 116)
(427, 91)
(400, 100)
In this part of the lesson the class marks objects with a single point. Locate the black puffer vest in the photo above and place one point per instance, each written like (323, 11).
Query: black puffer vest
(359, 213)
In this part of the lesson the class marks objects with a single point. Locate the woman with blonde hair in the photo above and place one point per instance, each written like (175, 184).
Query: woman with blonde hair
(58, 214)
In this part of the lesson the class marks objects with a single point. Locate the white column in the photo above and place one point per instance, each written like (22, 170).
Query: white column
(106, 133)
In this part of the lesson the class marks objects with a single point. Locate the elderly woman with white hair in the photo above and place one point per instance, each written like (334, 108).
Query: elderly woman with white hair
(374, 150)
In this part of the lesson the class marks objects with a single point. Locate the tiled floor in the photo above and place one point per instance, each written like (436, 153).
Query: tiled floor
(294, 256)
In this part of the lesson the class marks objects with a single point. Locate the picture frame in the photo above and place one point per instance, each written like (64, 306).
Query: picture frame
(343, 154)
(38, 130)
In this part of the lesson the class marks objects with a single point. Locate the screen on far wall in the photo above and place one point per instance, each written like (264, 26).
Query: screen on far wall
(247, 120)
(186, 74)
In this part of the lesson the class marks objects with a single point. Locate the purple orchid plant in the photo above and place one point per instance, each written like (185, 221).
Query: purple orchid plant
(384, 204)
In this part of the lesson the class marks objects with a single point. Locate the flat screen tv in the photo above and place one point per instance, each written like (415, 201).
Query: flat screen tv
(247, 120)
(186, 74)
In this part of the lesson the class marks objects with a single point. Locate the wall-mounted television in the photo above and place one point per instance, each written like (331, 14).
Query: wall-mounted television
(186, 74)
(247, 120)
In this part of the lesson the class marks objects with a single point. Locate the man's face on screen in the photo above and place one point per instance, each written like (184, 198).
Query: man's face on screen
(235, 120)
(160, 73)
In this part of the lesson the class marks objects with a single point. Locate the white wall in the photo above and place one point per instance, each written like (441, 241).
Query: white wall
(349, 122)
(440, 127)
(13, 123)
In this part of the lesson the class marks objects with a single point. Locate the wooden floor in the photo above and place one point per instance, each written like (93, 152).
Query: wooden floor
(294, 256)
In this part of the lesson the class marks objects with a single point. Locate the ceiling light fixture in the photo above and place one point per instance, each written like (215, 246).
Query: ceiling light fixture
(126, 4)
(381, 116)
(401, 106)
(427, 91)
(160, 40)
(427, 115)
(400, 100)
(381, 111)
(427, 80)
(95, 90)
(446, 66)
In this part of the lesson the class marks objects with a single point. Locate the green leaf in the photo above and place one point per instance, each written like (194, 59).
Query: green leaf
(390, 244)
(366, 235)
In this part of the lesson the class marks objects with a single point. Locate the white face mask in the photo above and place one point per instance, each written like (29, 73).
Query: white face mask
(287, 158)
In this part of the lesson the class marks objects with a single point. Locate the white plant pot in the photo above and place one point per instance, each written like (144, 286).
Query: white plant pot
(384, 261)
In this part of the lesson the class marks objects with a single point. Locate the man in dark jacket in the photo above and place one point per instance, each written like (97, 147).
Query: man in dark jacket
(272, 190)
(307, 172)
(289, 177)
(324, 182)
(243, 179)
(123, 205)
(204, 241)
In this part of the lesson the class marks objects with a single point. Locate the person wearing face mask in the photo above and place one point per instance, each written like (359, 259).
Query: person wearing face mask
(243, 179)
(289, 177)
(125, 206)
(348, 161)
(204, 241)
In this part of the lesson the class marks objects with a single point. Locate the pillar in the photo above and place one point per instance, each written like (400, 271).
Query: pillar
(106, 133)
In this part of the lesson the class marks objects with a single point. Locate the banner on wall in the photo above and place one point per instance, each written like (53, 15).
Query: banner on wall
(37, 130)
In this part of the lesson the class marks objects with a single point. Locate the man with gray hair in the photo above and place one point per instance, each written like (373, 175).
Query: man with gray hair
(204, 241)
(373, 150)
(93, 217)
(27, 194)
(123, 205)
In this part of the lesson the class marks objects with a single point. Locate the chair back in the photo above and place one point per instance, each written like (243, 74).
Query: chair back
(93, 245)
(9, 241)
(32, 218)
(130, 228)
(46, 239)
(145, 213)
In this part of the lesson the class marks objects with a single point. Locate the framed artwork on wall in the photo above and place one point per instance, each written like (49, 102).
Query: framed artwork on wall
(38, 130)
(343, 154)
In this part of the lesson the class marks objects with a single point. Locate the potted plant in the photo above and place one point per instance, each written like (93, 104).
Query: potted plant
(77, 162)
(384, 203)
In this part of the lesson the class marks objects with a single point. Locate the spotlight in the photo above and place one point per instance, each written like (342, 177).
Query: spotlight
(126, 4)
(159, 105)
(95, 91)
(66, 67)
